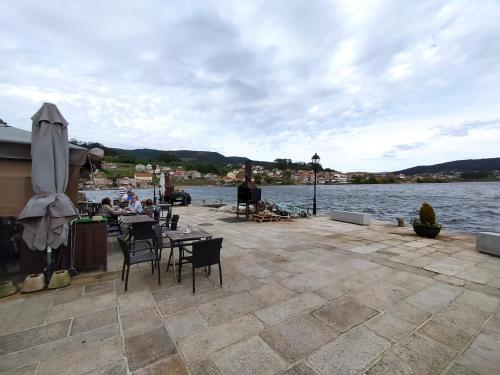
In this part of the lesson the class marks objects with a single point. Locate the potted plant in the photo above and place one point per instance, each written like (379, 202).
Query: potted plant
(425, 225)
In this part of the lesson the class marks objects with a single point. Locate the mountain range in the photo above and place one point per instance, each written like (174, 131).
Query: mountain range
(487, 165)
(470, 165)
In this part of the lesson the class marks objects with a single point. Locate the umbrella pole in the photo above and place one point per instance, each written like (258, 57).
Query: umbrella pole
(49, 263)
(154, 193)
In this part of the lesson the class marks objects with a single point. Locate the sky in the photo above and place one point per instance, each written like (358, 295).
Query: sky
(376, 85)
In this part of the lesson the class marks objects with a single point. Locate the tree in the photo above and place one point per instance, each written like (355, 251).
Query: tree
(167, 157)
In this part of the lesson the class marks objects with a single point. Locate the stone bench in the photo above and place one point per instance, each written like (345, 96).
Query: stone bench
(351, 217)
(488, 243)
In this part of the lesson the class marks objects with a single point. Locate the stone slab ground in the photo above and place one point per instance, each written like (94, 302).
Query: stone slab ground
(311, 296)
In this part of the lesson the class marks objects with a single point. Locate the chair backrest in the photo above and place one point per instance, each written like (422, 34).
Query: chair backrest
(156, 214)
(174, 222)
(142, 231)
(158, 240)
(124, 247)
(206, 252)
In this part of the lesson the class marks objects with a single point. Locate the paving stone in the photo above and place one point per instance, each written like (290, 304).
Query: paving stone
(99, 288)
(333, 290)
(435, 297)
(477, 275)
(214, 338)
(450, 266)
(344, 314)
(482, 355)
(245, 284)
(68, 294)
(495, 282)
(204, 366)
(409, 313)
(307, 282)
(272, 293)
(118, 367)
(479, 300)
(229, 307)
(252, 356)
(135, 301)
(148, 347)
(288, 309)
(185, 323)
(410, 281)
(455, 369)
(298, 337)
(300, 369)
(172, 305)
(450, 336)
(65, 345)
(356, 282)
(77, 362)
(25, 370)
(381, 296)
(95, 320)
(138, 321)
(465, 318)
(172, 289)
(493, 325)
(30, 312)
(172, 365)
(390, 327)
(419, 355)
(34, 336)
(82, 306)
(350, 353)
(450, 280)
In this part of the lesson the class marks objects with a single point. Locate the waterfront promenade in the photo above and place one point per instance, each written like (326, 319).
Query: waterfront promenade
(311, 296)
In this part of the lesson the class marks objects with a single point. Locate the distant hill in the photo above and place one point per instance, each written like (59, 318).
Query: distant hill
(470, 165)
(186, 156)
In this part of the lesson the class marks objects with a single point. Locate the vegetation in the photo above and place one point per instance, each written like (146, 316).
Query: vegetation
(427, 214)
(373, 179)
(288, 164)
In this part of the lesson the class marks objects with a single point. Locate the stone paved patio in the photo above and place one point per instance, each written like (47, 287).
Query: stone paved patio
(312, 296)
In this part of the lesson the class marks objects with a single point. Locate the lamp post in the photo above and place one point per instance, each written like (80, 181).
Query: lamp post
(315, 162)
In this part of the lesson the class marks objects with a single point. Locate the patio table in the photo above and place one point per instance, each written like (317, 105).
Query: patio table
(134, 219)
(128, 222)
(181, 238)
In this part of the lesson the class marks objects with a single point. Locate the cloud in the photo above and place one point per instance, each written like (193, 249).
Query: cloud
(463, 129)
(366, 84)
(392, 153)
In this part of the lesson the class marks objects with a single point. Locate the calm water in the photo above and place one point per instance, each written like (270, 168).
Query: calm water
(469, 207)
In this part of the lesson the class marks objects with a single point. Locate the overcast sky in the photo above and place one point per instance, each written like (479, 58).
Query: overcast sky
(372, 85)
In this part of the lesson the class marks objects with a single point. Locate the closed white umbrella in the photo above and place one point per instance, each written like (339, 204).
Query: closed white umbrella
(162, 184)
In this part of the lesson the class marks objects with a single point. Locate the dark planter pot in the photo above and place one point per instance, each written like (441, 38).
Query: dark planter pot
(426, 230)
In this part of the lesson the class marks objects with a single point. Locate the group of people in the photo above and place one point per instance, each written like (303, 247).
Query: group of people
(133, 205)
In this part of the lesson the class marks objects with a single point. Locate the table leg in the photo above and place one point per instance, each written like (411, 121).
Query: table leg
(180, 263)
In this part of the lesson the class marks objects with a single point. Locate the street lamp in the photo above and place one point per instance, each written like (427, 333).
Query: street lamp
(315, 162)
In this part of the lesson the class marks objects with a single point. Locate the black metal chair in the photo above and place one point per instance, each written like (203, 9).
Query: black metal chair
(134, 256)
(174, 222)
(205, 253)
(142, 232)
(166, 221)
(158, 239)
(113, 227)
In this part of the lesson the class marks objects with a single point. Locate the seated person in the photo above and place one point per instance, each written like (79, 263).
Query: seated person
(135, 205)
(149, 208)
(107, 209)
